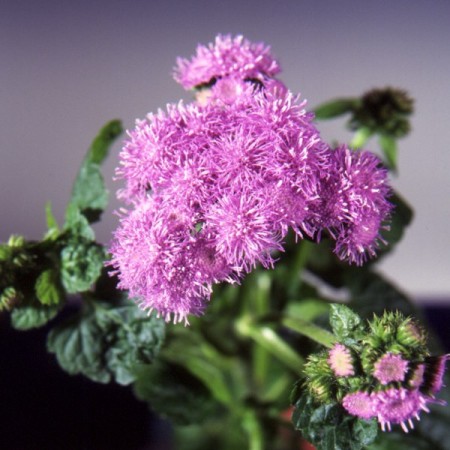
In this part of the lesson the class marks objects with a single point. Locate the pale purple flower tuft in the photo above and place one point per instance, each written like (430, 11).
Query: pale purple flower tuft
(399, 406)
(226, 56)
(214, 186)
(353, 203)
(340, 360)
(359, 404)
(390, 368)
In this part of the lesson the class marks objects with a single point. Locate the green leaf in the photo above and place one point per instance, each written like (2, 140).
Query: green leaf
(174, 393)
(360, 138)
(138, 339)
(335, 108)
(344, 322)
(32, 316)
(81, 264)
(102, 143)
(52, 224)
(329, 427)
(48, 287)
(401, 218)
(79, 347)
(373, 294)
(388, 145)
(105, 342)
(77, 224)
(89, 194)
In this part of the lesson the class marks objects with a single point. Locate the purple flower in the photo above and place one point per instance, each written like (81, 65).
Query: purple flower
(163, 263)
(340, 360)
(390, 368)
(359, 404)
(226, 56)
(230, 178)
(243, 230)
(353, 203)
(217, 184)
(399, 406)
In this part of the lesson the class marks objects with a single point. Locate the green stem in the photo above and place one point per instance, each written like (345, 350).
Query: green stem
(261, 357)
(254, 431)
(362, 135)
(296, 267)
(272, 342)
(310, 330)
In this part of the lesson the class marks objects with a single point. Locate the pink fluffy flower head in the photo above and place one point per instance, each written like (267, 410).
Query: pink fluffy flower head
(219, 183)
(390, 368)
(359, 404)
(399, 406)
(354, 203)
(226, 56)
(340, 360)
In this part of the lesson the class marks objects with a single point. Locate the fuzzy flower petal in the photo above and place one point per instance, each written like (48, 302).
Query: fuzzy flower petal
(390, 368)
(226, 56)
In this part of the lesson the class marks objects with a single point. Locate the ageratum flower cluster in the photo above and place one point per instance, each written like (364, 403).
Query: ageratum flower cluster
(385, 373)
(214, 186)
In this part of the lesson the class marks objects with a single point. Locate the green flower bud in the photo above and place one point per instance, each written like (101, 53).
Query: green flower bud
(16, 241)
(384, 111)
(410, 334)
(319, 377)
(9, 298)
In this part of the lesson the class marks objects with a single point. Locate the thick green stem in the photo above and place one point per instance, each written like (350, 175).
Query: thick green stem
(267, 338)
(310, 330)
(296, 267)
(261, 299)
(254, 430)
(361, 136)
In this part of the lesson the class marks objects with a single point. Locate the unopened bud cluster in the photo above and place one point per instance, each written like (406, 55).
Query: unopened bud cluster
(385, 372)
(385, 111)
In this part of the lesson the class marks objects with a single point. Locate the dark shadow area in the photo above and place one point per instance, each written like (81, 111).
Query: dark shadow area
(44, 408)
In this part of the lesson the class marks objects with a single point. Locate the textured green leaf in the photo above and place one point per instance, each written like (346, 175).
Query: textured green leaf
(105, 342)
(388, 145)
(89, 194)
(81, 264)
(174, 393)
(79, 347)
(138, 339)
(32, 316)
(329, 427)
(48, 287)
(77, 224)
(344, 322)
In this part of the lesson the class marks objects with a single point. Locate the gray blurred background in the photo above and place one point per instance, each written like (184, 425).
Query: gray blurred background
(67, 67)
